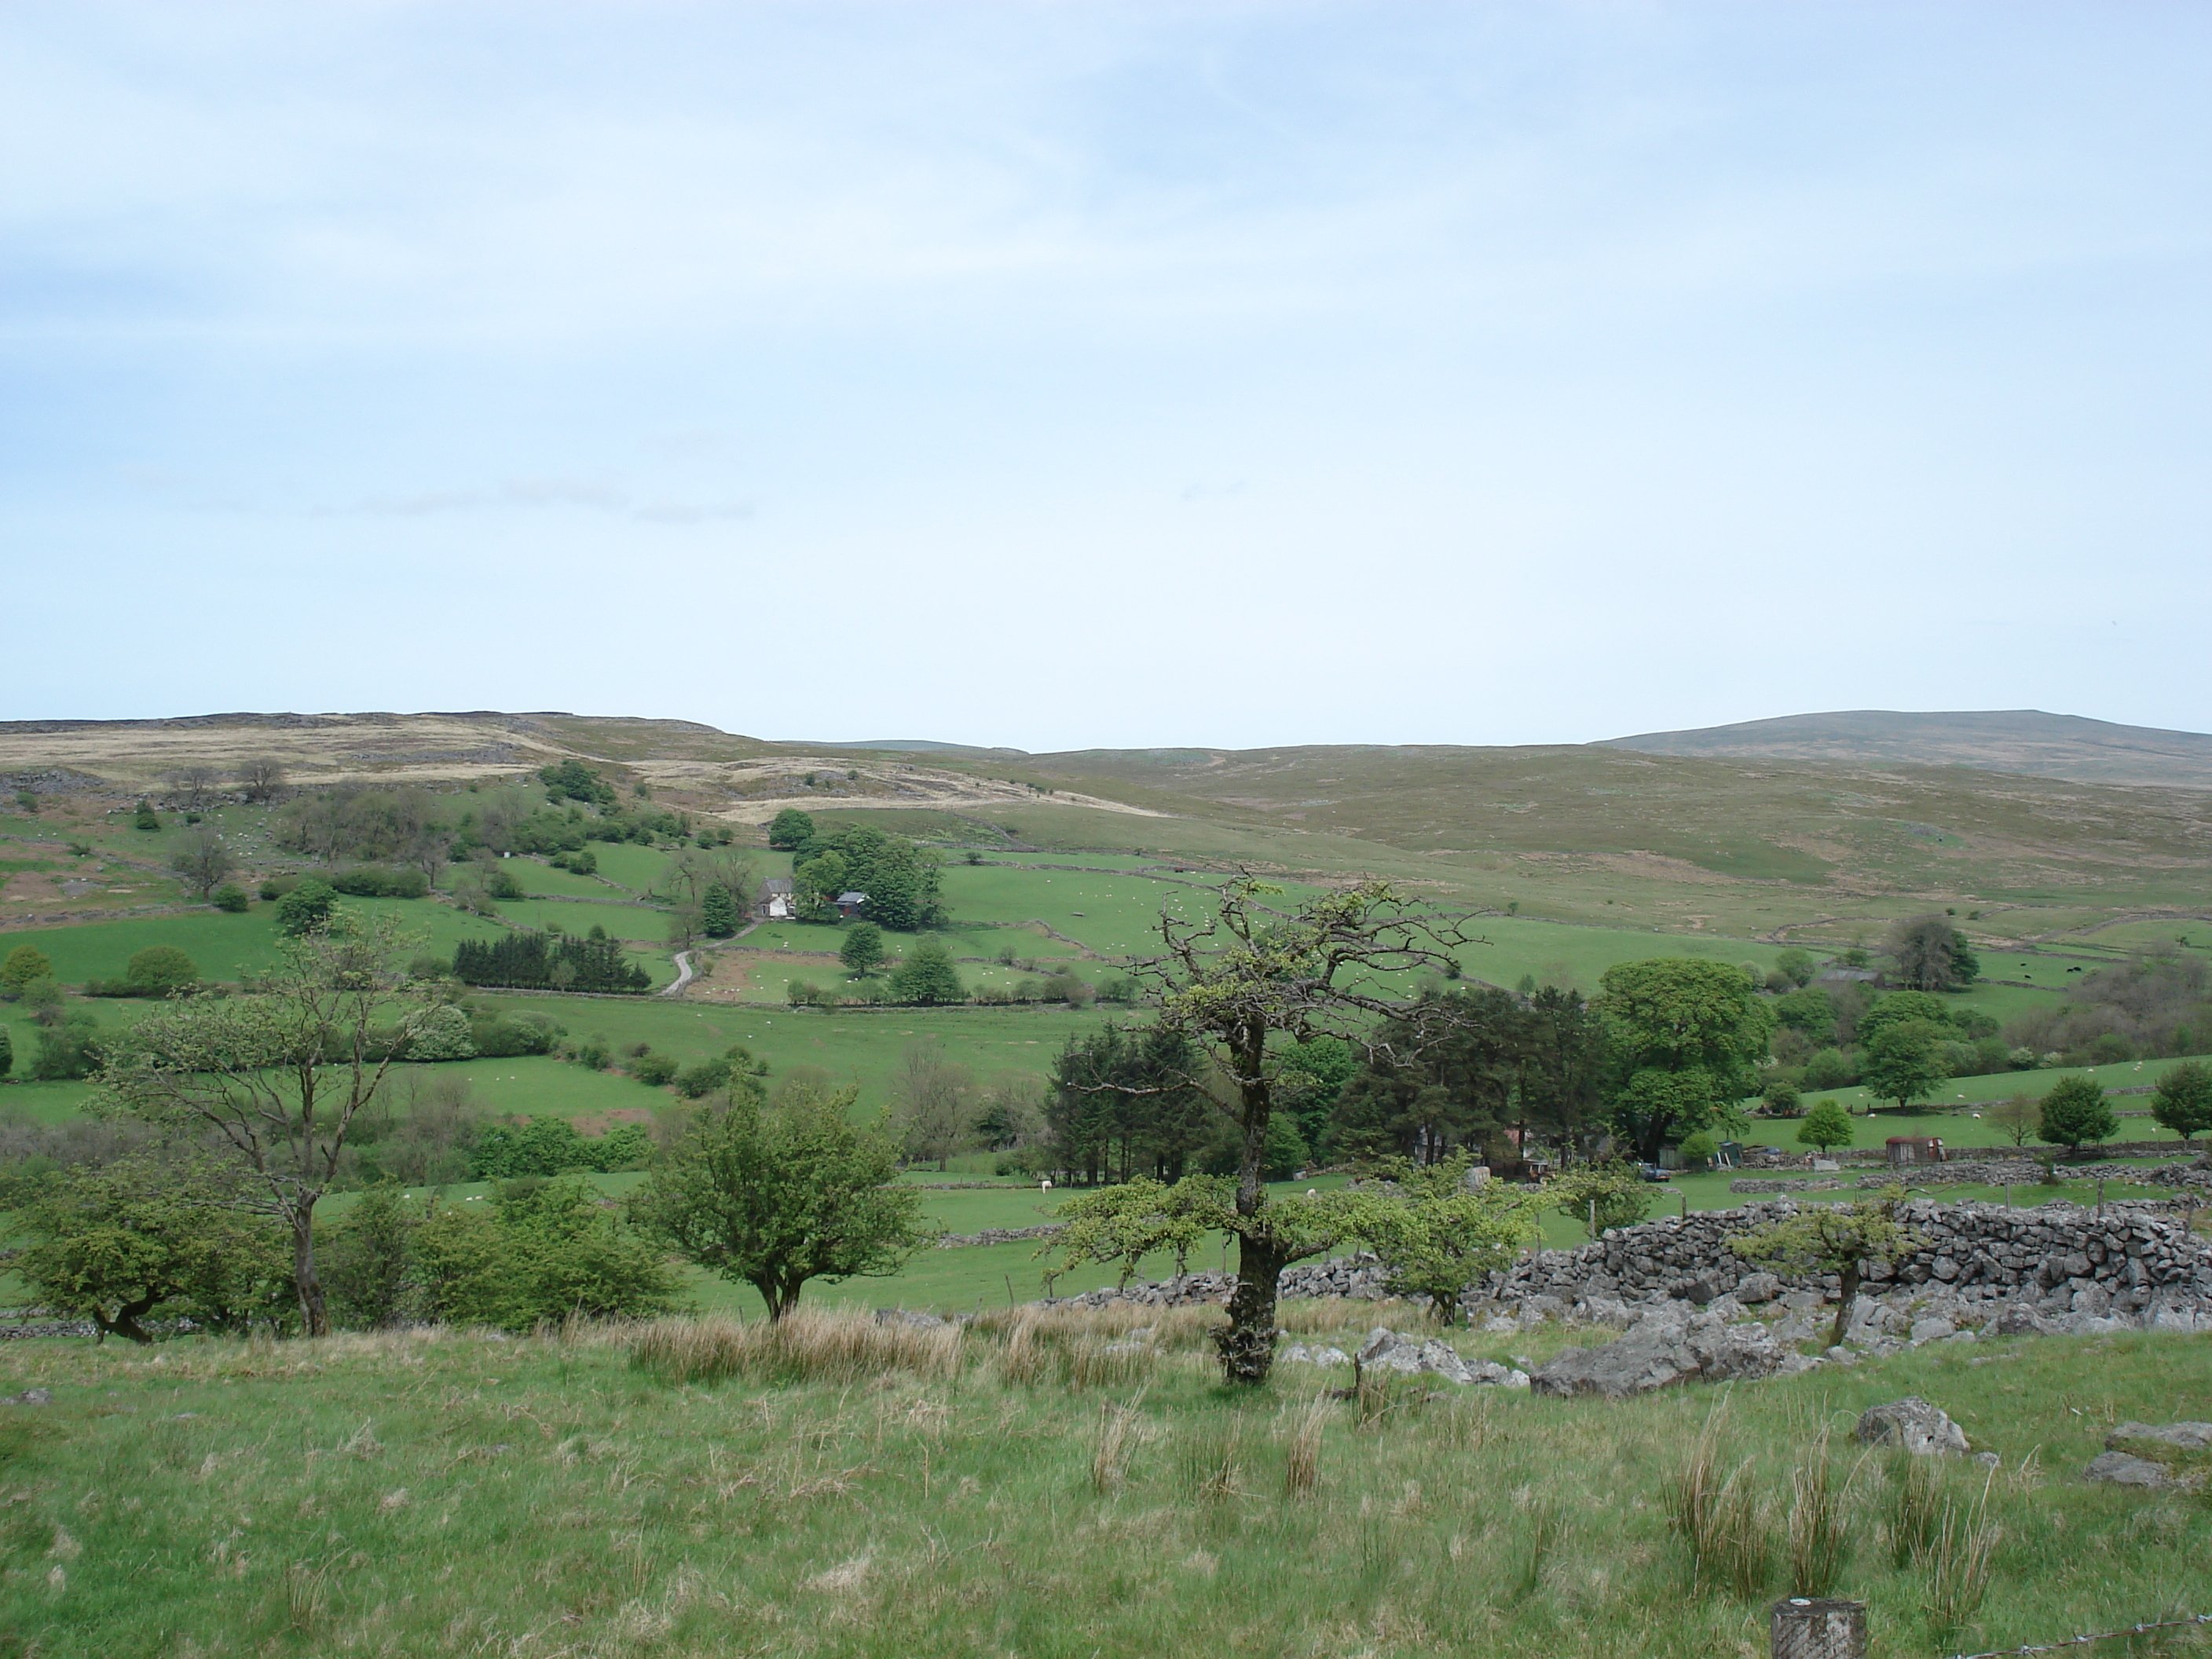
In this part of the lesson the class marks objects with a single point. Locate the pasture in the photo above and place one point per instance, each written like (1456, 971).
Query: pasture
(991, 1492)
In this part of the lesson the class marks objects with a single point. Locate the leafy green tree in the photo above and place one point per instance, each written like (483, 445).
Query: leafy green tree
(230, 896)
(862, 951)
(276, 1080)
(1782, 1099)
(307, 908)
(1808, 1010)
(68, 1049)
(2183, 1100)
(146, 817)
(776, 1196)
(369, 1259)
(571, 780)
(130, 1240)
(1700, 1150)
(1684, 1034)
(1241, 981)
(1436, 1235)
(2076, 1111)
(1899, 1008)
(540, 1250)
(1903, 1062)
(718, 912)
(1825, 1126)
(1598, 1196)
(1796, 965)
(790, 828)
(202, 861)
(160, 970)
(25, 964)
(926, 975)
(1931, 955)
(1833, 1238)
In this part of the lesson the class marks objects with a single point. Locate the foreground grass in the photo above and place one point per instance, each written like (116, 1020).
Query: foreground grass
(1015, 1490)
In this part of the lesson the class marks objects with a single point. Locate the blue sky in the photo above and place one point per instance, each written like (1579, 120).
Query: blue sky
(1114, 374)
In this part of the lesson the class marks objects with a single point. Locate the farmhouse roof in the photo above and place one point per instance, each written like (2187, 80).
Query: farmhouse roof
(852, 898)
(775, 884)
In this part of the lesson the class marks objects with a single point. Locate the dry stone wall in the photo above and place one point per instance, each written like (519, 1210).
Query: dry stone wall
(2132, 1264)
(2058, 1259)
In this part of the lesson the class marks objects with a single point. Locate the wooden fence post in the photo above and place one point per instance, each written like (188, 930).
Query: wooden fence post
(1807, 1629)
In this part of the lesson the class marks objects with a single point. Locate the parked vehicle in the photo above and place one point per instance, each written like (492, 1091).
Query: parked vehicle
(1652, 1172)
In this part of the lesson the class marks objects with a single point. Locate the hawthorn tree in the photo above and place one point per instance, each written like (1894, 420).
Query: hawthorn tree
(775, 1195)
(862, 952)
(202, 862)
(1242, 982)
(2075, 1111)
(2183, 1100)
(1827, 1125)
(274, 1081)
(1833, 1238)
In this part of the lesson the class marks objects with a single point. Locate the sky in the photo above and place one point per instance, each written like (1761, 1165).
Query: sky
(1062, 375)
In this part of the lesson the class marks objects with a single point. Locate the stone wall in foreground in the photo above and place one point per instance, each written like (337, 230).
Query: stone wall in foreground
(2059, 1257)
(2056, 1259)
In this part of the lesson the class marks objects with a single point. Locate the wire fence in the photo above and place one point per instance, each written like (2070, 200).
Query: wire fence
(2100, 1636)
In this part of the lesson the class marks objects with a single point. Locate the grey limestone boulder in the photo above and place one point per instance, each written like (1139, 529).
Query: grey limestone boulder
(1755, 1288)
(1663, 1348)
(1921, 1429)
(1298, 1354)
(2114, 1468)
(2179, 1437)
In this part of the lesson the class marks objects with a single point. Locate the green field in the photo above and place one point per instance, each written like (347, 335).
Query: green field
(441, 1492)
(1970, 1091)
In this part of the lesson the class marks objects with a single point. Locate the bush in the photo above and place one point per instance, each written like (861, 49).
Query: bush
(582, 862)
(552, 1147)
(592, 1054)
(306, 908)
(499, 1036)
(276, 886)
(1782, 1099)
(368, 882)
(68, 1051)
(540, 1250)
(655, 1071)
(702, 1078)
(159, 969)
(7, 1052)
(442, 1033)
(1829, 1069)
(229, 896)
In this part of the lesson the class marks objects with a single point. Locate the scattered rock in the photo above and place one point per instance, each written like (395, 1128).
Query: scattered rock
(1298, 1354)
(926, 1321)
(2114, 1468)
(1386, 1350)
(2179, 1437)
(1921, 1429)
(1664, 1346)
(29, 1397)
(1932, 1330)
(1757, 1288)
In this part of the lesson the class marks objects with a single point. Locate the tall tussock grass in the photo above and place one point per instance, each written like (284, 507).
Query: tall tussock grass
(803, 1347)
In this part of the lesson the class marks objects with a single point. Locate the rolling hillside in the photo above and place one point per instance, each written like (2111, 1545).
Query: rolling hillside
(2022, 740)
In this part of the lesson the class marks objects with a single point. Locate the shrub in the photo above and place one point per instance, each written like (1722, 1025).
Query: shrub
(306, 908)
(229, 896)
(655, 1071)
(369, 882)
(697, 1081)
(498, 1037)
(67, 1051)
(7, 1052)
(1829, 1069)
(539, 1250)
(276, 887)
(146, 817)
(25, 964)
(1782, 1099)
(159, 969)
(442, 1033)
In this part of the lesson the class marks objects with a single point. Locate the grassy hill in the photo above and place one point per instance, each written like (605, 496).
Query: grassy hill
(2024, 740)
(902, 1493)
